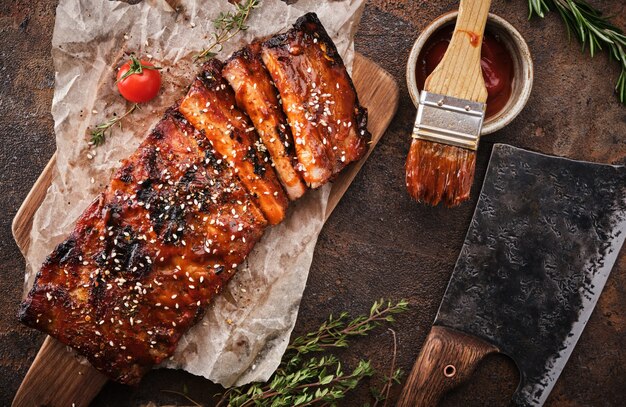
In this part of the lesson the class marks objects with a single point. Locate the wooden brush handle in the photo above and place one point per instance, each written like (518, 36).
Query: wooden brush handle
(459, 73)
(448, 357)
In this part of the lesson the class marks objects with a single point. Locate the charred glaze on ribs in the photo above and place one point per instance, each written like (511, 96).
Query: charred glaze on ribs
(147, 256)
(185, 209)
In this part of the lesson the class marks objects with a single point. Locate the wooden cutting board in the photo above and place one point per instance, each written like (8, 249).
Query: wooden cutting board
(57, 378)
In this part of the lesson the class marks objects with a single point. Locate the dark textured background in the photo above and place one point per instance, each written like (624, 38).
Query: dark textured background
(377, 243)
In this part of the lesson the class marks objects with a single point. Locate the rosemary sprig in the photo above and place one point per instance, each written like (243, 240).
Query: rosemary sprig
(99, 132)
(320, 380)
(227, 25)
(591, 28)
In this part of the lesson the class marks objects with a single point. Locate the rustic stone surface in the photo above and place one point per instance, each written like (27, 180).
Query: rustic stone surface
(377, 243)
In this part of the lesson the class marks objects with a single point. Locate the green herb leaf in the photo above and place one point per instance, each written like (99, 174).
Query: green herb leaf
(227, 25)
(303, 380)
(100, 131)
(590, 27)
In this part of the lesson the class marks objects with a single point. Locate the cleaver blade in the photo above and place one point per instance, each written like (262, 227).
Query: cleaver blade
(545, 234)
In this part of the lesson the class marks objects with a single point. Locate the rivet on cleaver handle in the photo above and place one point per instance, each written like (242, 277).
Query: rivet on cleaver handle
(448, 357)
(544, 237)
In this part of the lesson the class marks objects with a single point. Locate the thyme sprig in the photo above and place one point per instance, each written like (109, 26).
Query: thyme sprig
(227, 25)
(320, 379)
(184, 395)
(591, 28)
(303, 380)
(393, 377)
(99, 132)
(335, 332)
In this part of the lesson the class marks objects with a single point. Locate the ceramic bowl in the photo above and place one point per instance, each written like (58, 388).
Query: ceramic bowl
(522, 67)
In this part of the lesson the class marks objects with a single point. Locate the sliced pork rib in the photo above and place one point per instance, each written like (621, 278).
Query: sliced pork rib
(328, 124)
(257, 96)
(210, 107)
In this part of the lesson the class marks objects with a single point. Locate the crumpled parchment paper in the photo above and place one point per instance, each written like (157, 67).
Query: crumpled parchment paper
(245, 331)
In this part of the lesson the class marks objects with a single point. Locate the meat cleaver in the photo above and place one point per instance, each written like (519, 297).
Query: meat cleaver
(545, 234)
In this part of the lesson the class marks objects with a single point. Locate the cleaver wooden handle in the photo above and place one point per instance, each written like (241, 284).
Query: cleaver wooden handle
(448, 357)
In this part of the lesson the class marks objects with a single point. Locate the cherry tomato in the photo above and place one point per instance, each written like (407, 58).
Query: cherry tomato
(138, 81)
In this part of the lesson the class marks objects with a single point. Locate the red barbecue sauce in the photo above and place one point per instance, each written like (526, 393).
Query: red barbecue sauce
(496, 63)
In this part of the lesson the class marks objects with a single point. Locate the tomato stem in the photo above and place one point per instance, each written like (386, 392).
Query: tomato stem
(136, 68)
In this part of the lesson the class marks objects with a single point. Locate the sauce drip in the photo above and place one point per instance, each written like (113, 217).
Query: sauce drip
(473, 37)
(495, 61)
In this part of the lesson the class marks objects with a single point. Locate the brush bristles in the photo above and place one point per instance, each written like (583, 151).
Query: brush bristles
(439, 173)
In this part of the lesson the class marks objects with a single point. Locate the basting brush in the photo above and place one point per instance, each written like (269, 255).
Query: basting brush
(441, 161)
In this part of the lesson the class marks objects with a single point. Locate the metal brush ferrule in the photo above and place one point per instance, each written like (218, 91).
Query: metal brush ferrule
(448, 120)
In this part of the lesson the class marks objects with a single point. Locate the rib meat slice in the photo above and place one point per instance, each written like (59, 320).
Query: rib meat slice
(147, 255)
(210, 107)
(319, 99)
(256, 95)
